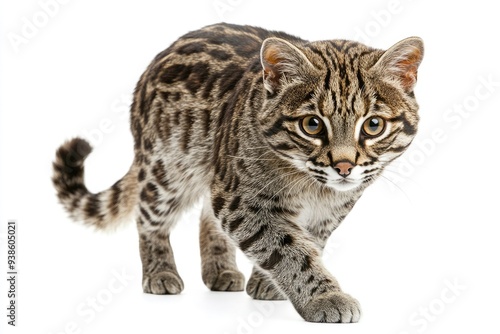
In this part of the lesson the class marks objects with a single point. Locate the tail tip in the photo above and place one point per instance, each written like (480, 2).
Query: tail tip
(74, 150)
(69, 159)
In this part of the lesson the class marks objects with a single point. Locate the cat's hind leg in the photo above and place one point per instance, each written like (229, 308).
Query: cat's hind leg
(164, 195)
(218, 255)
(160, 274)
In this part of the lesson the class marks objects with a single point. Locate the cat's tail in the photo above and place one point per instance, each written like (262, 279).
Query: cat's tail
(104, 210)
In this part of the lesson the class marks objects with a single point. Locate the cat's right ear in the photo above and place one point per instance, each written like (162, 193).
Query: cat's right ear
(282, 62)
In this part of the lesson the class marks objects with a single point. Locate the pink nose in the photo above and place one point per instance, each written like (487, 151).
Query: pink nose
(343, 168)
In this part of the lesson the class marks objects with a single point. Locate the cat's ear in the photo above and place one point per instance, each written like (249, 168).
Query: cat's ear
(281, 62)
(401, 62)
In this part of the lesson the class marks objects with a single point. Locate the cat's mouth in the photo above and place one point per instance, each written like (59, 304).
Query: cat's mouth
(325, 177)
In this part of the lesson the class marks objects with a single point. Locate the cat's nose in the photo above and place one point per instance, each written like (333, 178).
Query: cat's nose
(343, 168)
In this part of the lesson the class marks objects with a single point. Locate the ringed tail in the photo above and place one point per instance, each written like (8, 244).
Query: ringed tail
(103, 210)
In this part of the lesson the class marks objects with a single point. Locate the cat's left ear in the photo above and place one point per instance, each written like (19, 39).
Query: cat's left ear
(281, 62)
(401, 62)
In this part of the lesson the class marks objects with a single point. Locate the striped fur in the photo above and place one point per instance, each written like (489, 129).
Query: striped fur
(271, 131)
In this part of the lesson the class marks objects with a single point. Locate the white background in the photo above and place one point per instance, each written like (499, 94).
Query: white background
(432, 224)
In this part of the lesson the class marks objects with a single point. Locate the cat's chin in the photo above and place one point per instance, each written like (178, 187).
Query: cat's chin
(343, 185)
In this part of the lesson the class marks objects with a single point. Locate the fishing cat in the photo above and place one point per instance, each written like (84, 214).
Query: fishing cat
(278, 135)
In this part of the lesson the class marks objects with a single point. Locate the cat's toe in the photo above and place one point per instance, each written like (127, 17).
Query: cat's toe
(262, 288)
(163, 283)
(227, 280)
(332, 307)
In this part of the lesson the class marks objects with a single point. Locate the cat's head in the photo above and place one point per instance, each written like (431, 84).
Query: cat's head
(339, 110)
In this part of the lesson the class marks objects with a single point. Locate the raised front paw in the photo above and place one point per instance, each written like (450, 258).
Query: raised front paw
(261, 287)
(163, 283)
(332, 307)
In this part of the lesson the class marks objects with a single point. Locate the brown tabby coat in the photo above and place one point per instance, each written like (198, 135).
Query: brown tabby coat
(280, 136)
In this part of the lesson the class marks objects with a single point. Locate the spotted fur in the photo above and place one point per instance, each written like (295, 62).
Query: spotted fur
(220, 115)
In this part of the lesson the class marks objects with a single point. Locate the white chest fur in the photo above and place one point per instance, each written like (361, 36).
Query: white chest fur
(322, 212)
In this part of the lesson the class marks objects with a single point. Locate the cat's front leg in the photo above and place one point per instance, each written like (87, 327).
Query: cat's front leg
(292, 259)
(262, 287)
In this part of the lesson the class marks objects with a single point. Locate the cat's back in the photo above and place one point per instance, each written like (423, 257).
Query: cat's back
(221, 42)
(209, 62)
(186, 86)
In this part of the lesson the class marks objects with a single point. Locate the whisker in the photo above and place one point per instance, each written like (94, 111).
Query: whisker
(274, 180)
(269, 200)
(255, 148)
(398, 187)
(404, 177)
(259, 158)
(254, 159)
(301, 179)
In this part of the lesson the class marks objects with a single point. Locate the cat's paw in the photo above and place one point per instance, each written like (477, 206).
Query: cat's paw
(332, 307)
(163, 283)
(262, 288)
(227, 280)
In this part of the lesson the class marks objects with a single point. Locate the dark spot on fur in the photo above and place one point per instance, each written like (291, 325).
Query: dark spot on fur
(234, 203)
(219, 54)
(229, 78)
(149, 193)
(223, 223)
(233, 225)
(209, 85)
(272, 261)
(155, 223)
(142, 175)
(198, 76)
(187, 123)
(191, 48)
(218, 250)
(144, 213)
(137, 131)
(93, 206)
(255, 66)
(114, 205)
(286, 241)
(217, 204)
(160, 174)
(164, 96)
(306, 264)
(175, 73)
(247, 243)
(205, 120)
(147, 145)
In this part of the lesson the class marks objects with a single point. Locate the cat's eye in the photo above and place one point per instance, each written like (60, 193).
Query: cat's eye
(311, 125)
(373, 126)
